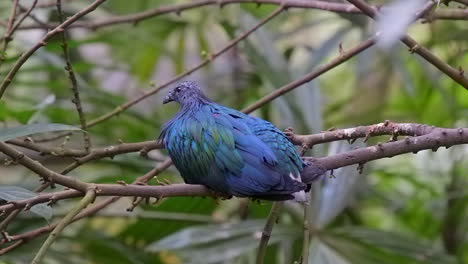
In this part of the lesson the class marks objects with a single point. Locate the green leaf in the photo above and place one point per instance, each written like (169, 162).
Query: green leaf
(21, 131)
(218, 243)
(364, 245)
(13, 193)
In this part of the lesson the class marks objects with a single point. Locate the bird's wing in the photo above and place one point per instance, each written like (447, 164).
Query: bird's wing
(288, 159)
(268, 155)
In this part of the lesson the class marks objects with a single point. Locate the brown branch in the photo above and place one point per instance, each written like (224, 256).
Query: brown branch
(30, 15)
(89, 211)
(450, 14)
(447, 13)
(74, 84)
(439, 137)
(25, 56)
(465, 2)
(266, 234)
(47, 174)
(44, 150)
(386, 128)
(87, 199)
(114, 150)
(414, 47)
(211, 57)
(25, 15)
(344, 56)
(8, 31)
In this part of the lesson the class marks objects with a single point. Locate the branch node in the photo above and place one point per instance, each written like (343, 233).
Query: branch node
(122, 183)
(407, 140)
(414, 49)
(27, 207)
(380, 146)
(360, 167)
(6, 236)
(52, 201)
(460, 131)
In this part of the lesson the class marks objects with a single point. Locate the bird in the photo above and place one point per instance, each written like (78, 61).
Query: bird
(232, 153)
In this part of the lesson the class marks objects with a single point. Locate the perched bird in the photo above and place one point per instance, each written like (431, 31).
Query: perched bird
(233, 153)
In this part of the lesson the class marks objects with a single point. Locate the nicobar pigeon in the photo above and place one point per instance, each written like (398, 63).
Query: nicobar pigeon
(233, 153)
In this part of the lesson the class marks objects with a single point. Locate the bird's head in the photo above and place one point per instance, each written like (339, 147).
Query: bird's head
(185, 92)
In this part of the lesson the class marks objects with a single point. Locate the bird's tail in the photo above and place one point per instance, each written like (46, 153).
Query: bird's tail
(312, 172)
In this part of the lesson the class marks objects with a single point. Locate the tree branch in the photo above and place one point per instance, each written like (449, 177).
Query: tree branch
(446, 13)
(414, 47)
(344, 56)
(211, 57)
(39, 169)
(25, 56)
(87, 199)
(266, 234)
(8, 31)
(350, 134)
(74, 84)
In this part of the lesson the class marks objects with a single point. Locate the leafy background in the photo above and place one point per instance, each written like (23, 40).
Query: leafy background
(408, 209)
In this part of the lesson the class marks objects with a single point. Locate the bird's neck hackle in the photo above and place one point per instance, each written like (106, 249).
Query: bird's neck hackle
(194, 103)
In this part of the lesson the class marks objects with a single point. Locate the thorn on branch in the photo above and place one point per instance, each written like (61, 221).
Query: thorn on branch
(360, 167)
(27, 207)
(52, 201)
(414, 49)
(167, 181)
(380, 146)
(122, 183)
(158, 199)
(135, 202)
(6, 236)
(407, 140)
(304, 149)
(366, 138)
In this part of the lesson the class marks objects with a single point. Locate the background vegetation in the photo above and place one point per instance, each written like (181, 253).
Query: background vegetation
(407, 209)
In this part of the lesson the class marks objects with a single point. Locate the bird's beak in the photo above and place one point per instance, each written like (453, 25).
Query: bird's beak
(168, 98)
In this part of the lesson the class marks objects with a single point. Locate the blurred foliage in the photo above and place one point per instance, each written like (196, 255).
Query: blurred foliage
(408, 209)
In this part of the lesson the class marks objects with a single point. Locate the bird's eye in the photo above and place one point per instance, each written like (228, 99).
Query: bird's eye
(177, 89)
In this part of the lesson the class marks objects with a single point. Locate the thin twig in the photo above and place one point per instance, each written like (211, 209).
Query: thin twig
(446, 13)
(87, 199)
(25, 15)
(344, 56)
(33, 17)
(88, 211)
(266, 234)
(414, 47)
(385, 128)
(45, 173)
(13, 214)
(74, 84)
(306, 226)
(25, 56)
(210, 58)
(8, 32)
